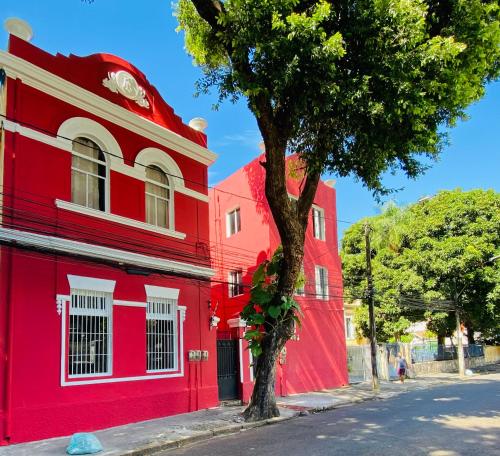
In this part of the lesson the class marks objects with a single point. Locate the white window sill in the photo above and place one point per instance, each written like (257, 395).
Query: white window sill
(117, 219)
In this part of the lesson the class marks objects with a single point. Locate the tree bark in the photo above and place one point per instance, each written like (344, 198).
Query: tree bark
(291, 218)
(291, 221)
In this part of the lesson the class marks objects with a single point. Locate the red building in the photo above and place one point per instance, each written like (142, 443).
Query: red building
(244, 234)
(105, 267)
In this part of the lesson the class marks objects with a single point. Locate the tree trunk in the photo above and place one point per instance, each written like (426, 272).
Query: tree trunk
(291, 221)
(263, 402)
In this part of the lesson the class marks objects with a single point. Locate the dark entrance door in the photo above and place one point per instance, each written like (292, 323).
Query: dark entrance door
(227, 369)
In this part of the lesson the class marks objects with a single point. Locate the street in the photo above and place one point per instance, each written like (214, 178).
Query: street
(452, 420)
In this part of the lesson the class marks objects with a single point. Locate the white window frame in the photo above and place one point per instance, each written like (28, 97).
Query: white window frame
(321, 288)
(106, 176)
(238, 274)
(87, 286)
(348, 318)
(169, 200)
(319, 226)
(164, 295)
(236, 213)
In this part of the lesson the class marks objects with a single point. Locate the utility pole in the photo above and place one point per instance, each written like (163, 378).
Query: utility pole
(369, 297)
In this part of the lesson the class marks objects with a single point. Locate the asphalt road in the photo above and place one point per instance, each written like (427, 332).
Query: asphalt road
(453, 420)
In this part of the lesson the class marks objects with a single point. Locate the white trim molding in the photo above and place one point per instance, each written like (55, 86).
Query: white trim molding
(69, 246)
(124, 83)
(116, 164)
(60, 88)
(117, 219)
(75, 127)
(161, 292)
(91, 283)
(122, 302)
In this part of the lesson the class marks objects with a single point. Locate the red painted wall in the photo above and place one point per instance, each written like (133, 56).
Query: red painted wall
(317, 360)
(33, 404)
(41, 408)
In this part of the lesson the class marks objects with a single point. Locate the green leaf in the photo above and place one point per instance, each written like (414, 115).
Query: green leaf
(252, 334)
(260, 296)
(259, 274)
(256, 350)
(274, 311)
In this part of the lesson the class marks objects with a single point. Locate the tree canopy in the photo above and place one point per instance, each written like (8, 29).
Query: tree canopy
(356, 87)
(353, 87)
(437, 249)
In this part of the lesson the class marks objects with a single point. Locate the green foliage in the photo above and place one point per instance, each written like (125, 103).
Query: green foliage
(437, 249)
(266, 307)
(376, 78)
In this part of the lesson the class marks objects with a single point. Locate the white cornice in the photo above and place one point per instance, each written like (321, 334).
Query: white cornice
(117, 219)
(75, 95)
(124, 257)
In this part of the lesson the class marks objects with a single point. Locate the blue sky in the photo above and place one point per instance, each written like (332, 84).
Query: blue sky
(144, 33)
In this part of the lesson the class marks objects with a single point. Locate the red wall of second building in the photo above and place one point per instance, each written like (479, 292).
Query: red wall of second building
(317, 360)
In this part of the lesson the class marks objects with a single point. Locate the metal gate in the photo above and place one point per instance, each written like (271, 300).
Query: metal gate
(227, 369)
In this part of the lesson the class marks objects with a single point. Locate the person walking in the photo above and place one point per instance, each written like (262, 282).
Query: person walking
(401, 367)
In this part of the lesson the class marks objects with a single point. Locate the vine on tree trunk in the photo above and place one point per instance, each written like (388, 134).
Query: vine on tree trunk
(266, 311)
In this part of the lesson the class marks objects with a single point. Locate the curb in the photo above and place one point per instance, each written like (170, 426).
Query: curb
(163, 445)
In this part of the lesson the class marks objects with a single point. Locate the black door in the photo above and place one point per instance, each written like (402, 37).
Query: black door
(227, 369)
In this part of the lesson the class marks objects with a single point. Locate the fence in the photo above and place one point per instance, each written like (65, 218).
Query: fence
(432, 351)
(424, 358)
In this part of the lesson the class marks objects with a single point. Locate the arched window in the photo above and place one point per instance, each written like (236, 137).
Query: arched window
(158, 192)
(88, 174)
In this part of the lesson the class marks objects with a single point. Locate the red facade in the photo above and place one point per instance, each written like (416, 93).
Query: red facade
(85, 290)
(316, 359)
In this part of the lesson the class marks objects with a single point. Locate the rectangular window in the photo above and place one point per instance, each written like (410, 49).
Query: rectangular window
(349, 328)
(233, 222)
(161, 334)
(89, 333)
(235, 283)
(321, 282)
(318, 223)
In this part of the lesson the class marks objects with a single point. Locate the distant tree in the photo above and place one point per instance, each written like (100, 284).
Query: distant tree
(355, 88)
(437, 249)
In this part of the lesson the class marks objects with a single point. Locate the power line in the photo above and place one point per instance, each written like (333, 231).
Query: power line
(197, 183)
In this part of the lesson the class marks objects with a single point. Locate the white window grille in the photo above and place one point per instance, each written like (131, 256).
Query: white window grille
(318, 223)
(158, 197)
(233, 222)
(89, 351)
(321, 283)
(161, 334)
(235, 283)
(88, 174)
(349, 328)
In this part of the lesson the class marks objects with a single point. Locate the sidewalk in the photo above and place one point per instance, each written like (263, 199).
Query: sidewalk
(148, 437)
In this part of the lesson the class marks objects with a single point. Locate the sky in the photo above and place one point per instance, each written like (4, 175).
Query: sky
(144, 34)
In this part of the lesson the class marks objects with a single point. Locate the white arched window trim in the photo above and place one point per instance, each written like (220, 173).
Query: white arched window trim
(157, 157)
(76, 127)
(83, 127)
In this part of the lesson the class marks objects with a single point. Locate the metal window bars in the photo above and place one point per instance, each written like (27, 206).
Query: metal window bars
(161, 335)
(89, 333)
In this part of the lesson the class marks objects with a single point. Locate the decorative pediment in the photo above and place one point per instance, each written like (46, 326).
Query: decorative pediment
(125, 84)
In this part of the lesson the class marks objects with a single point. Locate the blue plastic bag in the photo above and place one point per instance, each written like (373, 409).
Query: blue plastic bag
(84, 443)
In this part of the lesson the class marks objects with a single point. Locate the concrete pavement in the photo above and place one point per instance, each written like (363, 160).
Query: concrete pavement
(149, 437)
(453, 419)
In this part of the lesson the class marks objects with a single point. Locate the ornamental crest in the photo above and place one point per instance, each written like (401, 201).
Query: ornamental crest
(124, 83)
